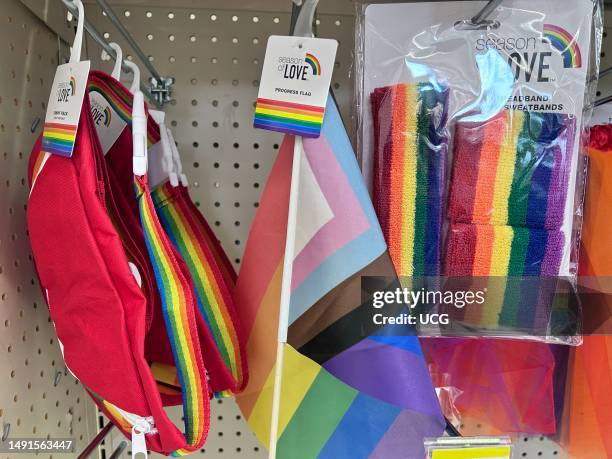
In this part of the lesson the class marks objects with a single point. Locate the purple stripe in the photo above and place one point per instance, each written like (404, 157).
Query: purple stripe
(563, 153)
(406, 435)
(554, 253)
(365, 366)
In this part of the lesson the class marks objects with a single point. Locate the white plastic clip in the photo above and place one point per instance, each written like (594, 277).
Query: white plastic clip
(139, 135)
(75, 54)
(167, 162)
(139, 444)
(303, 24)
(116, 73)
(136, 72)
(178, 165)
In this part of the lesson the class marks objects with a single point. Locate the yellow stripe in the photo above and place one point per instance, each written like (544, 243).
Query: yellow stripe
(284, 114)
(57, 135)
(490, 452)
(409, 179)
(500, 259)
(204, 273)
(505, 169)
(298, 375)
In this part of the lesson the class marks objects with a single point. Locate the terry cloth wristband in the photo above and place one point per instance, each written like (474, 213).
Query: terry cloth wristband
(409, 157)
(487, 250)
(512, 170)
(212, 274)
(509, 257)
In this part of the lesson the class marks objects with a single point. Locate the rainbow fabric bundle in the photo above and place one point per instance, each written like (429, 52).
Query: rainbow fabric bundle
(508, 194)
(512, 169)
(489, 250)
(409, 157)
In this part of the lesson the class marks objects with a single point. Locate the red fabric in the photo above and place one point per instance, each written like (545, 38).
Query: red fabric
(494, 386)
(83, 232)
(95, 303)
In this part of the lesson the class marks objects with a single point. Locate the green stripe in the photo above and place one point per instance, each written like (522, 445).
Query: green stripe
(213, 325)
(316, 418)
(57, 141)
(516, 265)
(313, 124)
(525, 163)
(425, 105)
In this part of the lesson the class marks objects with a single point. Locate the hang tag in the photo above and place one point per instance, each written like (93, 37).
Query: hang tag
(294, 85)
(109, 123)
(64, 108)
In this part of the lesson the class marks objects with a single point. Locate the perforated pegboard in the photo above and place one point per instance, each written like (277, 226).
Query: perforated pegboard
(38, 398)
(215, 56)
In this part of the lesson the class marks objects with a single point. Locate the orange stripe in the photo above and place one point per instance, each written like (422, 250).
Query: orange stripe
(487, 167)
(398, 138)
(59, 131)
(37, 165)
(262, 343)
(60, 126)
(485, 235)
(289, 110)
(278, 103)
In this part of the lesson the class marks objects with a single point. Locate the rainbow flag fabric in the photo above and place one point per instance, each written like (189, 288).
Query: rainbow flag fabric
(349, 388)
(410, 150)
(512, 169)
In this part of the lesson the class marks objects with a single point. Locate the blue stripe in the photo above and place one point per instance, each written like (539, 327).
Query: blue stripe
(361, 429)
(406, 342)
(536, 250)
(359, 252)
(57, 146)
(544, 163)
(287, 131)
(287, 125)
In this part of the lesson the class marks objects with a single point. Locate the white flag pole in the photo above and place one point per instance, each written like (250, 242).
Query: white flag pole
(285, 296)
(303, 28)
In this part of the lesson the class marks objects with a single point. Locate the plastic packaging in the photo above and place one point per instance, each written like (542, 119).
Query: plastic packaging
(484, 125)
(471, 137)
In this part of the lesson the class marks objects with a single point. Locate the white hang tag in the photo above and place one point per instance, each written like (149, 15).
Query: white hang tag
(109, 123)
(294, 84)
(64, 108)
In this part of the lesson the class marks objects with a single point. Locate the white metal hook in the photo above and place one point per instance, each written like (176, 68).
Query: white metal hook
(303, 24)
(75, 55)
(116, 73)
(136, 72)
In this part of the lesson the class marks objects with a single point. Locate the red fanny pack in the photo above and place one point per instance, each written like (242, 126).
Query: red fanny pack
(118, 292)
(198, 253)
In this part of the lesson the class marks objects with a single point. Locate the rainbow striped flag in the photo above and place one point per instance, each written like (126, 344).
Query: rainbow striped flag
(349, 388)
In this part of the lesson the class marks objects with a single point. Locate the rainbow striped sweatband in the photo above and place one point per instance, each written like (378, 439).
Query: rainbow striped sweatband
(512, 169)
(409, 156)
(488, 250)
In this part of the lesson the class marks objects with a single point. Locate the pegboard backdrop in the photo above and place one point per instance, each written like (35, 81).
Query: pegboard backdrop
(215, 55)
(38, 397)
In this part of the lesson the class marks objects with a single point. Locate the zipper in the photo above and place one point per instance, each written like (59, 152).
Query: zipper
(139, 444)
(141, 426)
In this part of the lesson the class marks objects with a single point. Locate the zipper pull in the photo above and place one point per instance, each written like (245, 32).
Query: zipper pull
(139, 444)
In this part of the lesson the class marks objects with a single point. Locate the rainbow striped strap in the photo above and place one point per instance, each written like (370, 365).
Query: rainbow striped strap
(179, 316)
(185, 227)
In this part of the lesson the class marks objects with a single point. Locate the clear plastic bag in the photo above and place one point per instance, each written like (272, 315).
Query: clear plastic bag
(471, 136)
